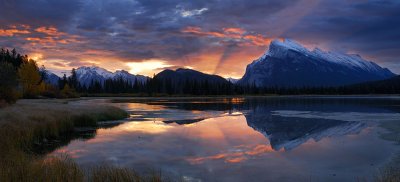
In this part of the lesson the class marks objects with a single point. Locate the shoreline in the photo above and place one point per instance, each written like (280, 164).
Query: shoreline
(22, 158)
(239, 96)
(29, 124)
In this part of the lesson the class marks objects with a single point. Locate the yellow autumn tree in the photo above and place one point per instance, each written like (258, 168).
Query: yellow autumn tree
(30, 79)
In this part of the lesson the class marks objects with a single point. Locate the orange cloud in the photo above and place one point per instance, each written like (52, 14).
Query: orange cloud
(198, 31)
(234, 33)
(236, 160)
(13, 30)
(47, 40)
(53, 36)
(258, 40)
(233, 157)
(234, 30)
(51, 31)
(259, 149)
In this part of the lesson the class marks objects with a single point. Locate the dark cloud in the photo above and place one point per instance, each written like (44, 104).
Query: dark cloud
(370, 28)
(38, 12)
(137, 30)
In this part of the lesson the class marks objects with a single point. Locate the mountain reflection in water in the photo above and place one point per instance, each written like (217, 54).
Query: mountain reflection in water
(246, 139)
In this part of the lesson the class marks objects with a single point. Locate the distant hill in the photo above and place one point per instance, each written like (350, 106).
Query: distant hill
(181, 75)
(289, 64)
(188, 81)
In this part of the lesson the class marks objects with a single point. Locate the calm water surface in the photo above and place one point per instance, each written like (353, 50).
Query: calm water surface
(246, 139)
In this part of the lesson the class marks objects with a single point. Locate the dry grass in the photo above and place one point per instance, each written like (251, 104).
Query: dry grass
(391, 172)
(30, 122)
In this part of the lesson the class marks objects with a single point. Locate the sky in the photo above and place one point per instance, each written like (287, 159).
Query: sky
(214, 36)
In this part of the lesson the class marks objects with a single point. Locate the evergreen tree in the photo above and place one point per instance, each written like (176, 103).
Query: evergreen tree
(73, 80)
(8, 82)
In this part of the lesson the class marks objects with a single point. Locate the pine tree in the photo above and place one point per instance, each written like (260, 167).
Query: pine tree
(8, 82)
(73, 79)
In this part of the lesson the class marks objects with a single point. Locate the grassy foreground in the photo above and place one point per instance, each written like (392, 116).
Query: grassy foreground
(391, 172)
(32, 122)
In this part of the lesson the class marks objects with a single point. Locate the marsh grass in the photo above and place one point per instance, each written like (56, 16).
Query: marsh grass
(34, 122)
(391, 172)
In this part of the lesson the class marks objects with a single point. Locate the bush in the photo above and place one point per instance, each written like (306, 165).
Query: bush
(68, 92)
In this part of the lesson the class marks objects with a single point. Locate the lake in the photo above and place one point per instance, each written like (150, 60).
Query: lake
(245, 139)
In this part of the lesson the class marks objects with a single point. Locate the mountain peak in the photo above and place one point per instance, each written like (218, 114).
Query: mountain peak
(89, 67)
(186, 70)
(287, 63)
(87, 74)
(121, 72)
(288, 44)
(232, 80)
(279, 48)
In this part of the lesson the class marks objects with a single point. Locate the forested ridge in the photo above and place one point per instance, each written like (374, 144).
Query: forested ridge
(21, 77)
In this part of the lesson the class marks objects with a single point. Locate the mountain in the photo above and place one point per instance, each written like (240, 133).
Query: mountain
(289, 64)
(129, 77)
(232, 80)
(289, 132)
(181, 75)
(50, 78)
(93, 73)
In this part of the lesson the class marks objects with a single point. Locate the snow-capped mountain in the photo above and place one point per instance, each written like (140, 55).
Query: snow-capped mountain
(289, 64)
(289, 133)
(232, 80)
(86, 75)
(288, 124)
(129, 77)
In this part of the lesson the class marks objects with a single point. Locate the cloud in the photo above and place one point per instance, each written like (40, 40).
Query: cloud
(190, 13)
(14, 30)
(148, 67)
(216, 36)
(244, 153)
(34, 12)
(235, 34)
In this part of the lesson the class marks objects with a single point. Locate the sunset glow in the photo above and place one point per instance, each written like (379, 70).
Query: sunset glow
(199, 90)
(147, 67)
(212, 37)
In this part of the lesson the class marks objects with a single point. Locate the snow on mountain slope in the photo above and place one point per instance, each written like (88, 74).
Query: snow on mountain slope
(232, 80)
(129, 77)
(289, 64)
(87, 75)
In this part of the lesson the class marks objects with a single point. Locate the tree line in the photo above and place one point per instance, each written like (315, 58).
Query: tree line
(21, 77)
(154, 86)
